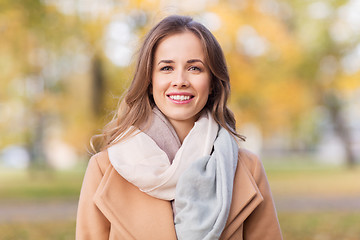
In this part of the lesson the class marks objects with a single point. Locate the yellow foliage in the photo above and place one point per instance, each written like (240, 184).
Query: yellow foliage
(266, 89)
(348, 82)
(242, 75)
(285, 100)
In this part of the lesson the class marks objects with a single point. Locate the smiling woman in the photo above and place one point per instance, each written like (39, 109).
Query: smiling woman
(170, 166)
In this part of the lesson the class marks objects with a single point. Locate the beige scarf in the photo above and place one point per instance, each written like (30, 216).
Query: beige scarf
(141, 161)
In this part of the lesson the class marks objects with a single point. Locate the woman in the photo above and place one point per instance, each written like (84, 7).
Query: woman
(170, 166)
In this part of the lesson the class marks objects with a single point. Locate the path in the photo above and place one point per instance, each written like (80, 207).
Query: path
(314, 204)
(39, 211)
(17, 211)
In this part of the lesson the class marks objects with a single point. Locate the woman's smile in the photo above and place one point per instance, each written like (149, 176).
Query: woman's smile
(180, 98)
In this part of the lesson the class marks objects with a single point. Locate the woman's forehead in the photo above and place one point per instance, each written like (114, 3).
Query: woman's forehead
(185, 44)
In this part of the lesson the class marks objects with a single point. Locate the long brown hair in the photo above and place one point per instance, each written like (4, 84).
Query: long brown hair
(135, 108)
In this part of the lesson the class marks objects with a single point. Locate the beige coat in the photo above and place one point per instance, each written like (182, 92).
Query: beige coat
(112, 208)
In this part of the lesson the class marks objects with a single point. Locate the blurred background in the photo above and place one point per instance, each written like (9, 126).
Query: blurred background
(295, 75)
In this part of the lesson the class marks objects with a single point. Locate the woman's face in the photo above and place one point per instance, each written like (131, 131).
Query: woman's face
(180, 78)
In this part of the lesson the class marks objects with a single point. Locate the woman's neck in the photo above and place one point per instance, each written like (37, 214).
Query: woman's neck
(182, 128)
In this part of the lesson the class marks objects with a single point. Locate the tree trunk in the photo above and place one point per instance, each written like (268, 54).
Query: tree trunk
(334, 106)
(98, 86)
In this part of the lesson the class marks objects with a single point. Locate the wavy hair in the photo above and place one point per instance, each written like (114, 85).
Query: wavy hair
(135, 108)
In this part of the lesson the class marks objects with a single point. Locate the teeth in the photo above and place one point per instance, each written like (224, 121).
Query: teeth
(179, 97)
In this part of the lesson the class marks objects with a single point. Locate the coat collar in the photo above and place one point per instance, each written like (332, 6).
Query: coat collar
(137, 215)
(246, 197)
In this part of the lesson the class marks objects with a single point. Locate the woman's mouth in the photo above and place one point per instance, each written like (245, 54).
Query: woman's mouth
(180, 98)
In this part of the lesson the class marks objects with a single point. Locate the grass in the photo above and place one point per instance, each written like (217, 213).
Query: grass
(311, 179)
(320, 226)
(59, 230)
(29, 185)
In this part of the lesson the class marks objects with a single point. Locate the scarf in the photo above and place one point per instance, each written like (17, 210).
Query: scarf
(204, 192)
(163, 134)
(199, 177)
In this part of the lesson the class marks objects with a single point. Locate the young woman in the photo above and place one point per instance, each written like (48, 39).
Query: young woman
(170, 166)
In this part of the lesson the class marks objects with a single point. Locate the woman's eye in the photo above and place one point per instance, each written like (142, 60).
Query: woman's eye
(194, 68)
(166, 68)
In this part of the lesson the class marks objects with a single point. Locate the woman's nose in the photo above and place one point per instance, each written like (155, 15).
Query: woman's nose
(180, 80)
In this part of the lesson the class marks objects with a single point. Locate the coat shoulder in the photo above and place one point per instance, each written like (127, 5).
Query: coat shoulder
(101, 159)
(250, 159)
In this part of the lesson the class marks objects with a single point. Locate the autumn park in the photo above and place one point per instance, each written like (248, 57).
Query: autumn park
(295, 91)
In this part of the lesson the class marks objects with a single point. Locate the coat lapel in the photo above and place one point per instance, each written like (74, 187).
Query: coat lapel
(134, 214)
(246, 197)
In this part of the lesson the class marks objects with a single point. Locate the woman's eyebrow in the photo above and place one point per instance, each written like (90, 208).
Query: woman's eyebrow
(195, 60)
(188, 61)
(165, 61)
